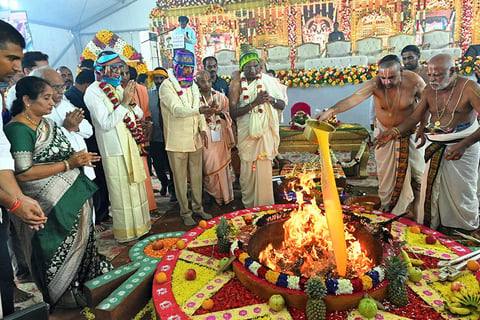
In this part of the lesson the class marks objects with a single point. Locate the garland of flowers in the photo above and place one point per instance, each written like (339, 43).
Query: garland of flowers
(180, 93)
(106, 38)
(245, 96)
(213, 121)
(292, 34)
(214, 9)
(268, 27)
(355, 159)
(133, 125)
(466, 26)
(346, 14)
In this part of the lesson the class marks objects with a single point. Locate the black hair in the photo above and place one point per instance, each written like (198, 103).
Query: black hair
(86, 64)
(411, 47)
(133, 73)
(183, 18)
(142, 78)
(8, 34)
(85, 76)
(389, 60)
(30, 59)
(27, 86)
(204, 61)
(271, 71)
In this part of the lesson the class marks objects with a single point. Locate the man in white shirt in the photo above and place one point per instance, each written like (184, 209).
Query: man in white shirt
(12, 199)
(188, 34)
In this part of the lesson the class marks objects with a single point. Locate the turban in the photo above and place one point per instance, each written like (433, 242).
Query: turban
(184, 58)
(151, 74)
(247, 54)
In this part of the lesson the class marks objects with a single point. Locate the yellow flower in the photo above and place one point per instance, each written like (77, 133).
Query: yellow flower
(87, 54)
(104, 36)
(127, 51)
(272, 276)
(307, 85)
(317, 85)
(356, 81)
(468, 70)
(367, 282)
(242, 257)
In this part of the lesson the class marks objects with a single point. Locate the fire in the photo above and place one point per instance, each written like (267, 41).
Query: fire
(307, 248)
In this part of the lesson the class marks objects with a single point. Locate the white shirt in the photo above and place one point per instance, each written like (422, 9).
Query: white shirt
(104, 120)
(6, 160)
(77, 139)
(11, 96)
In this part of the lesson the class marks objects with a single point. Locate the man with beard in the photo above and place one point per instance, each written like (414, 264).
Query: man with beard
(411, 61)
(211, 65)
(256, 102)
(185, 133)
(449, 186)
(115, 116)
(67, 76)
(395, 93)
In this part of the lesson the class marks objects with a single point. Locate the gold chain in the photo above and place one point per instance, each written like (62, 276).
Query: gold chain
(25, 115)
(437, 123)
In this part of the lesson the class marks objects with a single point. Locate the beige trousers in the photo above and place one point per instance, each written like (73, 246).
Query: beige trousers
(181, 163)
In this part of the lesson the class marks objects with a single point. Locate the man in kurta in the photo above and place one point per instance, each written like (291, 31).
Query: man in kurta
(217, 177)
(116, 118)
(185, 134)
(395, 93)
(256, 101)
(448, 199)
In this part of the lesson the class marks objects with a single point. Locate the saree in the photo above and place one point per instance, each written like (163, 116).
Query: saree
(63, 254)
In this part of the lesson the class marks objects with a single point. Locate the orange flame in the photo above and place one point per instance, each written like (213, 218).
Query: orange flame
(307, 246)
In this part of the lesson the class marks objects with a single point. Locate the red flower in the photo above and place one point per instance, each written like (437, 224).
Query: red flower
(245, 97)
(180, 92)
(260, 110)
(244, 88)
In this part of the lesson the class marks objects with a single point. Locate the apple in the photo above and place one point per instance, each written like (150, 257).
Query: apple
(190, 274)
(430, 239)
(158, 244)
(276, 302)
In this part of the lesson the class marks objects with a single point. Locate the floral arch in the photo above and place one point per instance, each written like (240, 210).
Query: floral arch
(105, 39)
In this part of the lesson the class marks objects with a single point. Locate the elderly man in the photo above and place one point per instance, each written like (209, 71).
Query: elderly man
(184, 128)
(12, 199)
(449, 186)
(256, 102)
(115, 116)
(395, 93)
(216, 159)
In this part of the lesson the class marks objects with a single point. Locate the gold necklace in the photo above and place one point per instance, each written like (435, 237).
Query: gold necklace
(26, 116)
(439, 116)
(395, 102)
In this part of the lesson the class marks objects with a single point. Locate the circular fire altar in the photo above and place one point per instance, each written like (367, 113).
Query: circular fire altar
(232, 298)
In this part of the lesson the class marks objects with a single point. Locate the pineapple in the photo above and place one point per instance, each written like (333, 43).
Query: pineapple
(316, 309)
(397, 273)
(223, 231)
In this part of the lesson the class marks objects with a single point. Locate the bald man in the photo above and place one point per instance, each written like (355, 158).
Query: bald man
(449, 187)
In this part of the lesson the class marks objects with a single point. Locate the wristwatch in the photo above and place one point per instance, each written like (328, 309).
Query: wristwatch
(274, 100)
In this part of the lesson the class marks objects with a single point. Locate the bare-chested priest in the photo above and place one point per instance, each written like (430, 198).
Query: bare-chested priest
(395, 94)
(449, 186)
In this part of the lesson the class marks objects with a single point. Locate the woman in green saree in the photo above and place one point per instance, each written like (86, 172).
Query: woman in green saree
(63, 254)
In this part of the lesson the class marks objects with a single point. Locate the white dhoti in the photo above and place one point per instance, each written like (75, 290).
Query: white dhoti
(387, 159)
(452, 196)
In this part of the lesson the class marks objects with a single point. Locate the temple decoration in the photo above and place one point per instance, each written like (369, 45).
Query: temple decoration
(105, 40)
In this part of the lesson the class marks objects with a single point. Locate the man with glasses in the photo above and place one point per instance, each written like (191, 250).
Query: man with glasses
(211, 65)
(67, 76)
(114, 115)
(256, 103)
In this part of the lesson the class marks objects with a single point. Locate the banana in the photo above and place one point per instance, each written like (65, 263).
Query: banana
(459, 310)
(407, 259)
(417, 262)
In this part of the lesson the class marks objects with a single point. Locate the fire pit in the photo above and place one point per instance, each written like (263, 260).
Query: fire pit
(283, 250)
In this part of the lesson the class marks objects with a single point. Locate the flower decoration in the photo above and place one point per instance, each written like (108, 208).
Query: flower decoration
(466, 65)
(346, 14)
(278, 2)
(106, 38)
(268, 27)
(292, 34)
(156, 13)
(466, 25)
(214, 8)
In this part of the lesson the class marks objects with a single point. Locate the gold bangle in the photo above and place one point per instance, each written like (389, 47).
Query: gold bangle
(67, 165)
(396, 131)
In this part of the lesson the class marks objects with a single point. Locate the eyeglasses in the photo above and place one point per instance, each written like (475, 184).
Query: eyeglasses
(59, 87)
